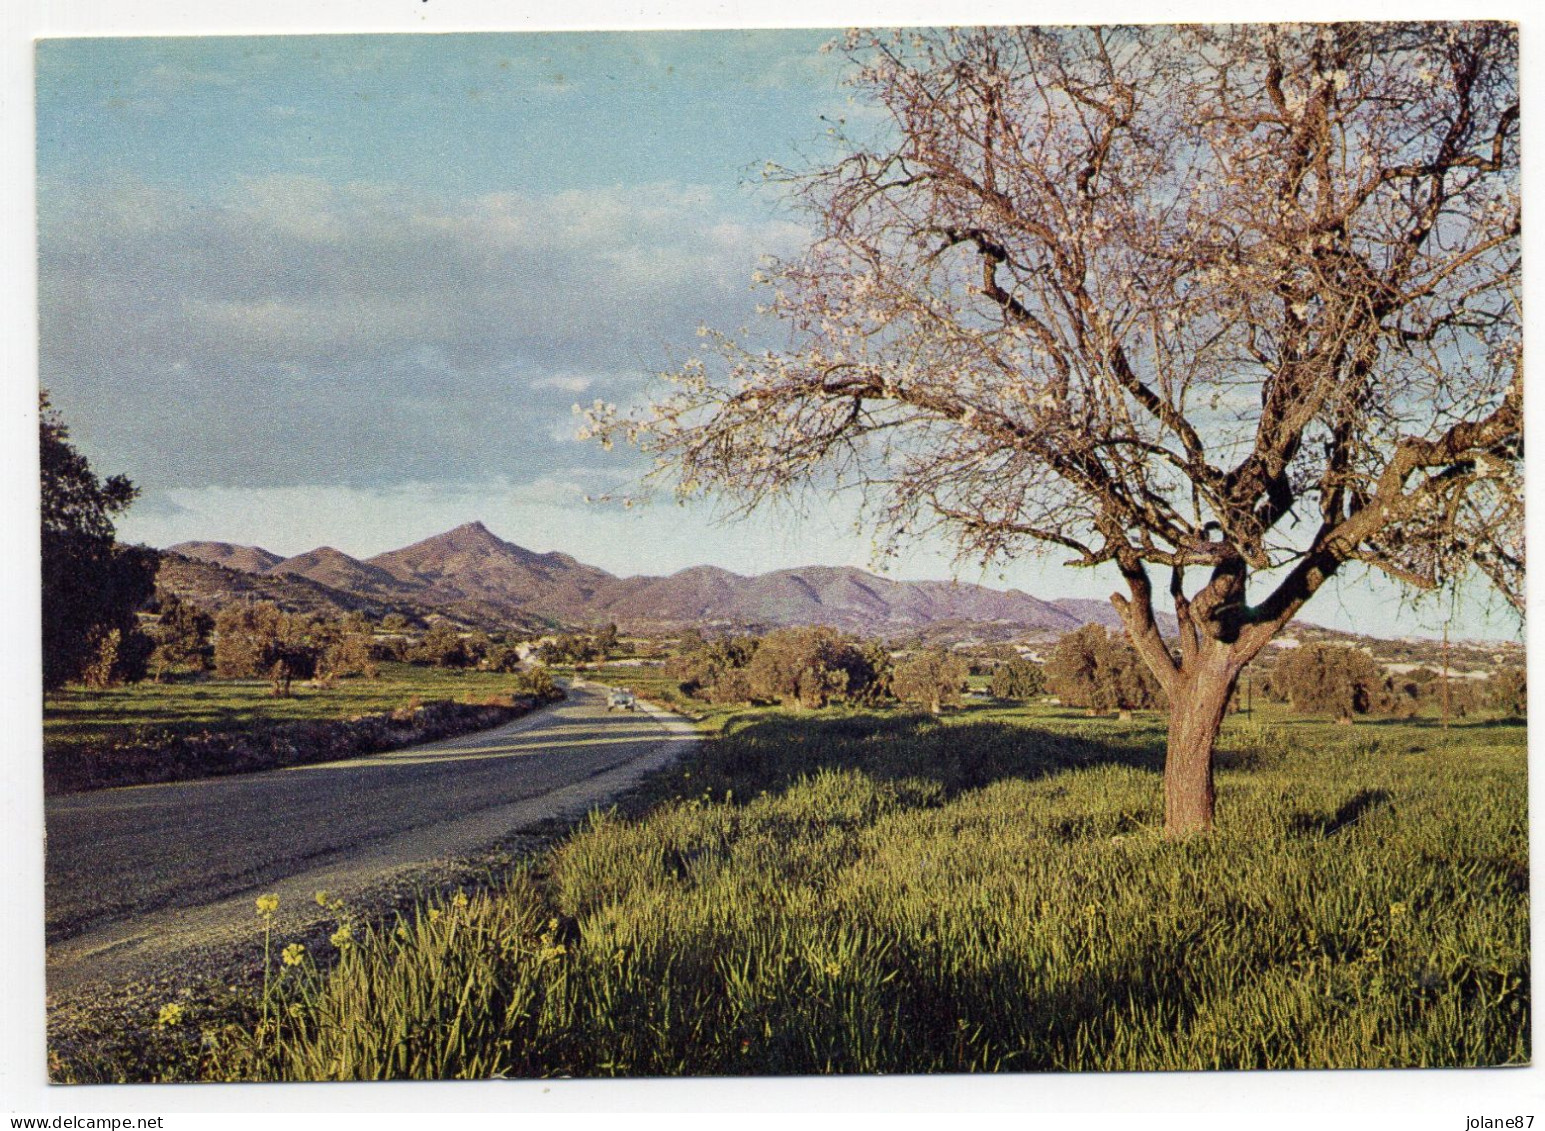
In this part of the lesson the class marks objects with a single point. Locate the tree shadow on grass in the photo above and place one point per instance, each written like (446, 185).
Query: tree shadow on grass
(772, 753)
(1457, 724)
(1352, 811)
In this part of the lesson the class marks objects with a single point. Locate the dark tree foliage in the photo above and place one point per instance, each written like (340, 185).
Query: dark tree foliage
(1017, 679)
(933, 679)
(714, 670)
(1331, 680)
(808, 667)
(444, 647)
(503, 658)
(1094, 669)
(344, 647)
(263, 641)
(1508, 691)
(92, 586)
(574, 648)
(182, 637)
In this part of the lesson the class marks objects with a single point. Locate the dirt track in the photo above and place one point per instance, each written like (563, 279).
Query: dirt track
(137, 875)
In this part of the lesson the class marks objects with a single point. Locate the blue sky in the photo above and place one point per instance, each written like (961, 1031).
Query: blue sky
(348, 289)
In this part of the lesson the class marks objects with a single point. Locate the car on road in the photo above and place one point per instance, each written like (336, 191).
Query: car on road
(621, 699)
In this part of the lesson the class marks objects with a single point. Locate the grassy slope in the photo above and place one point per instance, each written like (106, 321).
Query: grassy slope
(887, 893)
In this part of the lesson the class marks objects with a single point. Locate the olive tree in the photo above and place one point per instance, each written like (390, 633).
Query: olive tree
(806, 667)
(1091, 668)
(933, 679)
(1330, 679)
(1235, 303)
(1017, 679)
(262, 640)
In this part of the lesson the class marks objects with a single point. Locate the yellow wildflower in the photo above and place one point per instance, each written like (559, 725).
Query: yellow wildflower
(171, 1014)
(321, 898)
(1396, 910)
(267, 905)
(343, 936)
(294, 954)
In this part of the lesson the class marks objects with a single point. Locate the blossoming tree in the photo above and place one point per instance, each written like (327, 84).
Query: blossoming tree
(1240, 304)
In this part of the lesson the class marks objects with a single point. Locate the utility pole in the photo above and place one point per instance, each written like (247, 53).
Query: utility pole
(1445, 675)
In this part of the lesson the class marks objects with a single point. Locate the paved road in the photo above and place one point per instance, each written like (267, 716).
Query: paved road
(130, 869)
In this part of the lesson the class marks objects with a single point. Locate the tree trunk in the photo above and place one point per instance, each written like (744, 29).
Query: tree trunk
(1196, 715)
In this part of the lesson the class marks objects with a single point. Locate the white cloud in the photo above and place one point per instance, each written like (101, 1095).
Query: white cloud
(381, 335)
(568, 382)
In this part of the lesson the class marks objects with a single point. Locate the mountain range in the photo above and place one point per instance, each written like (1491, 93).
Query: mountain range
(476, 578)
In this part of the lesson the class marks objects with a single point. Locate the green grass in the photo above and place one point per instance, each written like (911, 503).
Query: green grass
(650, 682)
(78, 717)
(988, 892)
(200, 728)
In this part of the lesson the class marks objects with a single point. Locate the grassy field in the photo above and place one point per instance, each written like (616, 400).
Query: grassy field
(188, 729)
(988, 892)
(81, 717)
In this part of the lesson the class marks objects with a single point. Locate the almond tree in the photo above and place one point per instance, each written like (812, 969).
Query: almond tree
(1239, 304)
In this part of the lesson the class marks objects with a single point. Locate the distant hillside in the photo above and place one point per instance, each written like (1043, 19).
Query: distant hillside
(250, 559)
(337, 570)
(470, 565)
(211, 586)
(471, 575)
(839, 597)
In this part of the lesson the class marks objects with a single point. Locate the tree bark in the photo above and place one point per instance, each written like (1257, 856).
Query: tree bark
(1197, 706)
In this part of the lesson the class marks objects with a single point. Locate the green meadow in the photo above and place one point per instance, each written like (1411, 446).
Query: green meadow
(78, 717)
(883, 892)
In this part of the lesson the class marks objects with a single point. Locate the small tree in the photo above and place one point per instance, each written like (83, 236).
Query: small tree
(1331, 680)
(443, 647)
(262, 641)
(732, 685)
(182, 637)
(1508, 691)
(878, 674)
(715, 669)
(537, 681)
(1017, 679)
(99, 671)
(805, 667)
(572, 648)
(931, 679)
(1091, 668)
(346, 653)
(503, 658)
(1239, 300)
